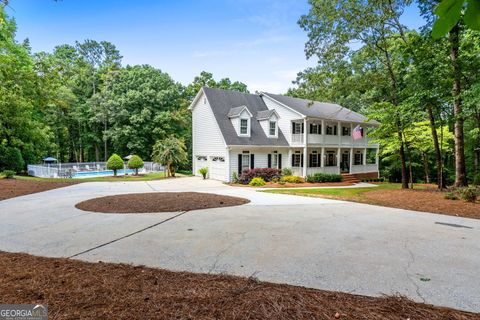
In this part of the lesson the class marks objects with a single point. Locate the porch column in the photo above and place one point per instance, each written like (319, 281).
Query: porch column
(351, 159)
(323, 132)
(322, 158)
(305, 155)
(339, 152)
(365, 160)
(339, 128)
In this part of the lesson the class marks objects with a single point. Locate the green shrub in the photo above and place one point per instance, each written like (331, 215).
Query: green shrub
(115, 163)
(203, 172)
(9, 174)
(257, 182)
(324, 177)
(286, 172)
(11, 159)
(136, 163)
(234, 177)
(450, 196)
(469, 194)
(293, 179)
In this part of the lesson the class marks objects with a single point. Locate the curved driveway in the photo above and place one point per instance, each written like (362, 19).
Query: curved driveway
(312, 242)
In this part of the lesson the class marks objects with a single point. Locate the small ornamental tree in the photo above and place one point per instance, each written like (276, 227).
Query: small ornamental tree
(114, 163)
(136, 163)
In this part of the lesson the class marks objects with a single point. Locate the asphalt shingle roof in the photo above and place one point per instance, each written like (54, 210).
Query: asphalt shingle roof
(222, 101)
(323, 110)
(265, 114)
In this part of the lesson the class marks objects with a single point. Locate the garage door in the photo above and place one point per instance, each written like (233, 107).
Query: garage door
(217, 168)
(200, 162)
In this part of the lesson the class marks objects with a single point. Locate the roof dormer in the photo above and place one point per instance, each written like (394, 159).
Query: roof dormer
(241, 120)
(268, 119)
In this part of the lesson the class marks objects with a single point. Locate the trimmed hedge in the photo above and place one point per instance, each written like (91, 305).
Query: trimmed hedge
(267, 174)
(324, 177)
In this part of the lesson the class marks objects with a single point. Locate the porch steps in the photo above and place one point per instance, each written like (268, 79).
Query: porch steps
(349, 178)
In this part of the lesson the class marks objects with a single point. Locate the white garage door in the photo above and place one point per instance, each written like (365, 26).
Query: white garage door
(200, 162)
(217, 168)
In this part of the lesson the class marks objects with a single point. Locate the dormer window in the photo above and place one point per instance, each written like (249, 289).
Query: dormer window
(243, 126)
(273, 128)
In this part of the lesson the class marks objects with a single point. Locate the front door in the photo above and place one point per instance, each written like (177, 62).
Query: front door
(345, 163)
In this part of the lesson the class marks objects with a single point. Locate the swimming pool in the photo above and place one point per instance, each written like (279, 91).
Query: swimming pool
(103, 173)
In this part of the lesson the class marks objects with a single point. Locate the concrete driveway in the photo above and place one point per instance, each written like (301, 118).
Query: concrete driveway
(312, 242)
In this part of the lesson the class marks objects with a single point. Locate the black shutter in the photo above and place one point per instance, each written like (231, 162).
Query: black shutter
(303, 128)
(280, 161)
(319, 160)
(334, 130)
(310, 157)
(269, 160)
(301, 160)
(311, 128)
(252, 161)
(293, 160)
(319, 129)
(293, 127)
(239, 164)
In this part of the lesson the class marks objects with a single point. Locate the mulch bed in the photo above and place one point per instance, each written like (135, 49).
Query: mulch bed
(159, 202)
(296, 185)
(79, 290)
(429, 200)
(10, 188)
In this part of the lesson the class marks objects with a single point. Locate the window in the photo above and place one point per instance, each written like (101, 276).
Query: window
(273, 128)
(243, 126)
(358, 160)
(275, 159)
(245, 160)
(331, 159)
(315, 128)
(296, 160)
(218, 159)
(201, 158)
(314, 160)
(345, 131)
(297, 127)
(331, 130)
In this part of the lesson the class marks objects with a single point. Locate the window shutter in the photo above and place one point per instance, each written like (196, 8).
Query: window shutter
(303, 128)
(252, 161)
(269, 160)
(293, 160)
(279, 161)
(334, 130)
(319, 129)
(239, 164)
(319, 160)
(301, 160)
(293, 127)
(310, 157)
(311, 128)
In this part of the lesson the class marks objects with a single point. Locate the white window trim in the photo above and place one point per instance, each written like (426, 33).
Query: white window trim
(240, 127)
(274, 163)
(269, 128)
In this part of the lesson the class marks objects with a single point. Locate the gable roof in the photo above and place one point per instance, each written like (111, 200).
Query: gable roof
(266, 114)
(222, 101)
(237, 111)
(310, 108)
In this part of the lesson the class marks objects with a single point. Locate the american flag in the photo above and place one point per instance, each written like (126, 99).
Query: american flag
(357, 133)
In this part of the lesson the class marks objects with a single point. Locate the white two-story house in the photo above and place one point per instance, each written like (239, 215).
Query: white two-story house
(234, 131)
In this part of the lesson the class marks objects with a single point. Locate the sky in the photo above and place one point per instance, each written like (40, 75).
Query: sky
(257, 42)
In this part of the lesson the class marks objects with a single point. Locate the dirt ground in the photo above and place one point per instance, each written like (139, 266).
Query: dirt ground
(159, 202)
(429, 200)
(73, 289)
(10, 188)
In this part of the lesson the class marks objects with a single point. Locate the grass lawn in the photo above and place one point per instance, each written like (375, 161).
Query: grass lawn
(425, 198)
(74, 289)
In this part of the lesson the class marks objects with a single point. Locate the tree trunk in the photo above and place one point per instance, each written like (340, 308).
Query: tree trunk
(425, 167)
(97, 153)
(460, 171)
(438, 152)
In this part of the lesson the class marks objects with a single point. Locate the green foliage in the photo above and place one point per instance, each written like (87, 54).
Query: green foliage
(235, 177)
(449, 13)
(286, 172)
(115, 163)
(257, 182)
(324, 177)
(450, 196)
(11, 159)
(292, 179)
(203, 172)
(170, 152)
(469, 194)
(8, 174)
(136, 163)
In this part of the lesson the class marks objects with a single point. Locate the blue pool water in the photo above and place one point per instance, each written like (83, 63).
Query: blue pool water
(104, 173)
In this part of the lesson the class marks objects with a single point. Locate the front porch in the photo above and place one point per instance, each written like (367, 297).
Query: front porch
(333, 161)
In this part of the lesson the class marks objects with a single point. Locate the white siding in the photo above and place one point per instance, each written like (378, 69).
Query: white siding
(207, 138)
(260, 158)
(286, 116)
(266, 125)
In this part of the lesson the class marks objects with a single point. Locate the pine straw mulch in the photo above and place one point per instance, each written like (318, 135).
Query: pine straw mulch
(73, 289)
(10, 188)
(429, 200)
(159, 202)
(296, 185)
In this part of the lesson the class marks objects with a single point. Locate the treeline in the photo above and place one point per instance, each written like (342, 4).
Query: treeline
(79, 103)
(424, 91)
